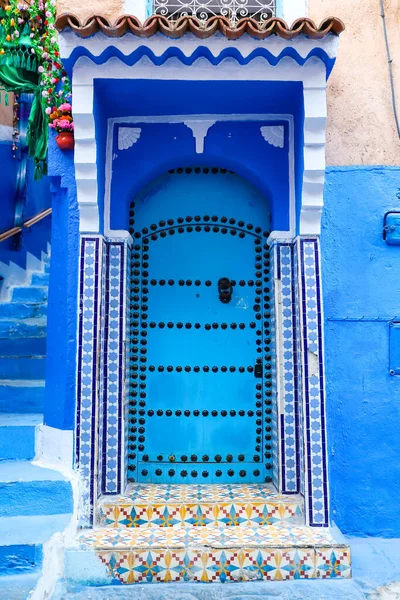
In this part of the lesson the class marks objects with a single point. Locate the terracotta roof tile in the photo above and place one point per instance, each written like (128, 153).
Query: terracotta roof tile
(178, 28)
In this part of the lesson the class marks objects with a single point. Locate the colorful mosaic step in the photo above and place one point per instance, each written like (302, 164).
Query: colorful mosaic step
(148, 505)
(209, 554)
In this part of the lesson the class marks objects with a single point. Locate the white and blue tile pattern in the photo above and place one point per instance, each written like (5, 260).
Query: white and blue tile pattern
(101, 379)
(288, 393)
(316, 476)
(275, 417)
(113, 371)
(88, 371)
(299, 368)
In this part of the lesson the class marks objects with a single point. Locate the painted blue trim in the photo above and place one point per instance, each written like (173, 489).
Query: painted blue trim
(363, 168)
(200, 52)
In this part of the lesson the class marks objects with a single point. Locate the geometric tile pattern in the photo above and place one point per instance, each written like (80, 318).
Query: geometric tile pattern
(288, 367)
(200, 505)
(275, 434)
(87, 371)
(149, 493)
(217, 554)
(311, 316)
(101, 377)
(216, 537)
(209, 566)
(113, 368)
(221, 514)
(299, 369)
(332, 563)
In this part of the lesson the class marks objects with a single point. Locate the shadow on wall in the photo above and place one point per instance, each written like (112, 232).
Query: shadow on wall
(35, 241)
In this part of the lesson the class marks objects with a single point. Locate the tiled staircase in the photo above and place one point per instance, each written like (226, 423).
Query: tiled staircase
(205, 533)
(35, 502)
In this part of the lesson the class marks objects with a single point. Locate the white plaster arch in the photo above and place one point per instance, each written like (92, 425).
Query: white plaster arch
(312, 75)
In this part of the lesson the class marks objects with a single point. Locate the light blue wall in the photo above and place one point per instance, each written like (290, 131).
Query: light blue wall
(361, 279)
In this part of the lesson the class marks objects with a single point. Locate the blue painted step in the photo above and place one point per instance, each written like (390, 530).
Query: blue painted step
(19, 310)
(26, 489)
(26, 328)
(21, 396)
(40, 279)
(17, 436)
(22, 367)
(23, 347)
(19, 587)
(21, 540)
(29, 294)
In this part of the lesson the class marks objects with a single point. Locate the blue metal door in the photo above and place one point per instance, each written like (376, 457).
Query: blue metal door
(200, 405)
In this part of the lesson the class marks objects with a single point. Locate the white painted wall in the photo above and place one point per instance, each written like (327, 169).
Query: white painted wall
(136, 8)
(293, 9)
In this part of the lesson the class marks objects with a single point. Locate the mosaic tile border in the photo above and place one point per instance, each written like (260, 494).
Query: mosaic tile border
(128, 567)
(275, 433)
(88, 365)
(142, 538)
(288, 393)
(311, 315)
(216, 553)
(299, 371)
(196, 492)
(113, 368)
(101, 379)
(220, 514)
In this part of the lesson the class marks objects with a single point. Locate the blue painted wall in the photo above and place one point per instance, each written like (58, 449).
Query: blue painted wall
(236, 146)
(361, 280)
(34, 240)
(59, 408)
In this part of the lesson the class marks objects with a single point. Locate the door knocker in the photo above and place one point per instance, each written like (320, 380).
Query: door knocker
(225, 290)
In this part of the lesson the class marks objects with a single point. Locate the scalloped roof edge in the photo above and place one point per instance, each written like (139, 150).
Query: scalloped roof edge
(177, 29)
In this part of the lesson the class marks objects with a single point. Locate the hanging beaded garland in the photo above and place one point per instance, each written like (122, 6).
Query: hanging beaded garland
(28, 39)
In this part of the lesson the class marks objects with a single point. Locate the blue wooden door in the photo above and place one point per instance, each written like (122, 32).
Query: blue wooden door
(200, 383)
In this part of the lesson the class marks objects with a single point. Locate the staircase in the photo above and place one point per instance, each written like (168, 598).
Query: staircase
(204, 533)
(34, 502)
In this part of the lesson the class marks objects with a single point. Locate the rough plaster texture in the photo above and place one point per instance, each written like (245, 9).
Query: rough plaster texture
(361, 283)
(361, 127)
(111, 9)
(6, 114)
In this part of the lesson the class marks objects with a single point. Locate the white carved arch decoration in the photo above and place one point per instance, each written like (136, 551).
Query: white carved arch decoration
(312, 75)
(274, 135)
(127, 136)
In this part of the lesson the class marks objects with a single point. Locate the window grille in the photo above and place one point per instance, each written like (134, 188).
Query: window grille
(260, 10)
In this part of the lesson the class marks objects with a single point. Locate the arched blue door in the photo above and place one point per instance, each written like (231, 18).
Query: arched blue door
(200, 382)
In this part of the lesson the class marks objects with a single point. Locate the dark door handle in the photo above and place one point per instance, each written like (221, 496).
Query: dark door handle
(225, 290)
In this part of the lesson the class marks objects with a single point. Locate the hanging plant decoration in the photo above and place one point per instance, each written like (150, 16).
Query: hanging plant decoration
(61, 120)
(30, 63)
